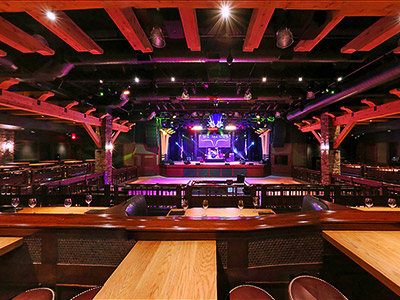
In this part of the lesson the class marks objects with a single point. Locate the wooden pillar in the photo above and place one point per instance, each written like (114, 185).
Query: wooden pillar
(330, 158)
(103, 156)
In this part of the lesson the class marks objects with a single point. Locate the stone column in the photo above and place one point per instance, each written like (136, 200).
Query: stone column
(6, 146)
(330, 158)
(103, 156)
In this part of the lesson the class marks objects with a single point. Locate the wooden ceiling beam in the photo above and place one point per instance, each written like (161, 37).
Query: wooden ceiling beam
(373, 36)
(3, 53)
(35, 106)
(20, 40)
(190, 28)
(351, 7)
(6, 82)
(68, 31)
(330, 23)
(317, 135)
(258, 24)
(92, 134)
(128, 24)
(345, 131)
(39, 95)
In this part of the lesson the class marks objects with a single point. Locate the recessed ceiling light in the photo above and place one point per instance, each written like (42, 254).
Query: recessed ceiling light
(137, 79)
(101, 81)
(264, 79)
(300, 78)
(225, 11)
(339, 79)
(50, 15)
(172, 79)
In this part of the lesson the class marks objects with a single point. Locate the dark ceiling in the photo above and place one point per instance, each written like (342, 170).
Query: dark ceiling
(212, 84)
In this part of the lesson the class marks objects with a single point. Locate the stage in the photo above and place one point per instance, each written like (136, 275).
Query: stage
(185, 180)
(215, 169)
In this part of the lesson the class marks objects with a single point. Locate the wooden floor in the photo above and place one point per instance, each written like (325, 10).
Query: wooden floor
(185, 180)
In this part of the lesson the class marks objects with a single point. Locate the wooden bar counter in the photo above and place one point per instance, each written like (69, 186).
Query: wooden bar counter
(165, 270)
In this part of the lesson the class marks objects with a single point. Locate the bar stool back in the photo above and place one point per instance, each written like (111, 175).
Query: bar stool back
(312, 288)
(246, 291)
(88, 294)
(37, 294)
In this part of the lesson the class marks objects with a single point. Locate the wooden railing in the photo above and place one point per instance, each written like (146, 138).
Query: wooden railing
(308, 175)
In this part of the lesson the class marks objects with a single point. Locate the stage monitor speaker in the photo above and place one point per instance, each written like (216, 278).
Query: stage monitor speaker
(186, 162)
(240, 178)
(251, 164)
(227, 164)
(279, 134)
(242, 162)
(198, 164)
(171, 163)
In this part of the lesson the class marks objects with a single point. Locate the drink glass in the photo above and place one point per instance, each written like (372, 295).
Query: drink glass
(205, 206)
(392, 202)
(32, 203)
(255, 202)
(240, 206)
(368, 202)
(67, 203)
(184, 204)
(15, 203)
(88, 199)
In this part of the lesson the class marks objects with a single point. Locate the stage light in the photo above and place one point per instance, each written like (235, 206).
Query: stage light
(126, 92)
(197, 128)
(109, 146)
(212, 128)
(185, 94)
(73, 136)
(230, 127)
(173, 79)
(300, 79)
(339, 79)
(101, 81)
(157, 37)
(247, 95)
(264, 79)
(137, 80)
(225, 11)
(101, 94)
(284, 38)
(51, 15)
(258, 116)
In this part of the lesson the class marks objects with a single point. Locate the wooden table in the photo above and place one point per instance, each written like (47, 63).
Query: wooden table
(9, 243)
(375, 251)
(165, 270)
(58, 210)
(225, 212)
(377, 208)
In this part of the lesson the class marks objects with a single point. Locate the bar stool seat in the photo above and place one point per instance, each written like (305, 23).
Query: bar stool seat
(247, 291)
(313, 288)
(37, 294)
(88, 294)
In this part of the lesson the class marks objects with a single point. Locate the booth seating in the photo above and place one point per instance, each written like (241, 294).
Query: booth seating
(312, 288)
(36, 294)
(134, 206)
(245, 291)
(88, 294)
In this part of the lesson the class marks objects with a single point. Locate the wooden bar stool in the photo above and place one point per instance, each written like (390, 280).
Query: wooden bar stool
(246, 291)
(37, 294)
(312, 288)
(88, 294)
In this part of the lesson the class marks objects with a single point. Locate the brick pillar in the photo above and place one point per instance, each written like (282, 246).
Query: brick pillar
(330, 158)
(6, 146)
(103, 156)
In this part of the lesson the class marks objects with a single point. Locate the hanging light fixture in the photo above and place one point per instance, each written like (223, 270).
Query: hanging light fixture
(284, 38)
(157, 38)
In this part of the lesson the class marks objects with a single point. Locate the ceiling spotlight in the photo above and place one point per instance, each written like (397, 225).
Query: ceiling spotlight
(126, 92)
(173, 79)
(264, 79)
(101, 81)
(284, 38)
(157, 37)
(51, 15)
(225, 11)
(339, 79)
(136, 79)
(300, 78)
(185, 94)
